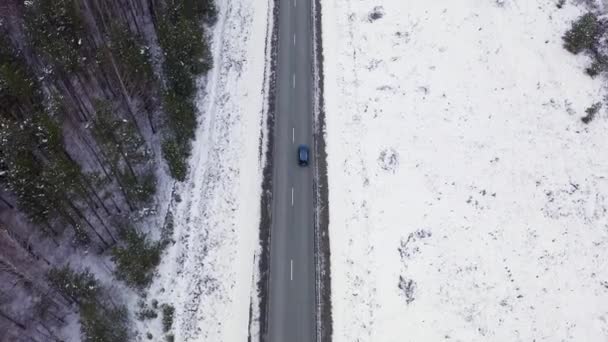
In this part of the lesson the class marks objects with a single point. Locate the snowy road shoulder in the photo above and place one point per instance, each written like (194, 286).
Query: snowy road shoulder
(207, 274)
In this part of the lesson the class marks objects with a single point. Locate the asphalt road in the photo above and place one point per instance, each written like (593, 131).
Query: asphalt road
(292, 277)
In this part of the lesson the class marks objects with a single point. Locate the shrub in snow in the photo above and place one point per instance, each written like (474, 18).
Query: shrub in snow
(591, 112)
(168, 312)
(166, 234)
(583, 35)
(595, 68)
(146, 313)
(174, 155)
(376, 13)
(389, 160)
(407, 287)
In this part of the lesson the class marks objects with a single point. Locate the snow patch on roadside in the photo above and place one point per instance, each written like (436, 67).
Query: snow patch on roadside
(468, 201)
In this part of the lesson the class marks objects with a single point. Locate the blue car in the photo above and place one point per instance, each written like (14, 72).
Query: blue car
(303, 155)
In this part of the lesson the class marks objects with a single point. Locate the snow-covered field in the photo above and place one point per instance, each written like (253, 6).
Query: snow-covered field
(208, 274)
(468, 202)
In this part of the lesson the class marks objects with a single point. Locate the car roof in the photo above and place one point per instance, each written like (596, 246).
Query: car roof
(303, 152)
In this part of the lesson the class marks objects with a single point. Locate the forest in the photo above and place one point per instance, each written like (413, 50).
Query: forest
(96, 111)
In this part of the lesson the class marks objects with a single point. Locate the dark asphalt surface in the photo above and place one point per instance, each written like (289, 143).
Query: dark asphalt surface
(292, 277)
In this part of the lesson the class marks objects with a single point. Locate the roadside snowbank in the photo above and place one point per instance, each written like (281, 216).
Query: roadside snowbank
(468, 202)
(208, 273)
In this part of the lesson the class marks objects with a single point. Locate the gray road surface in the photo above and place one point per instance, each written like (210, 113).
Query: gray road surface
(292, 282)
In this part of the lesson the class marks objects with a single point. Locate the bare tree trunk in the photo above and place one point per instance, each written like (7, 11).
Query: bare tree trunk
(125, 158)
(104, 25)
(152, 9)
(49, 301)
(99, 85)
(90, 188)
(12, 320)
(126, 197)
(22, 244)
(124, 91)
(107, 79)
(66, 216)
(53, 231)
(122, 189)
(75, 102)
(130, 16)
(34, 284)
(49, 331)
(7, 203)
(83, 218)
(89, 202)
(85, 190)
(99, 161)
(117, 177)
(86, 93)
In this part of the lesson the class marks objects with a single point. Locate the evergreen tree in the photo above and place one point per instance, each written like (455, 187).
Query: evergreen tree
(132, 55)
(56, 28)
(125, 151)
(18, 91)
(175, 155)
(99, 324)
(187, 55)
(81, 288)
(136, 258)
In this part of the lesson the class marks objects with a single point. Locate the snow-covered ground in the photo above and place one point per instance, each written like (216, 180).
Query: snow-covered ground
(468, 202)
(208, 273)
